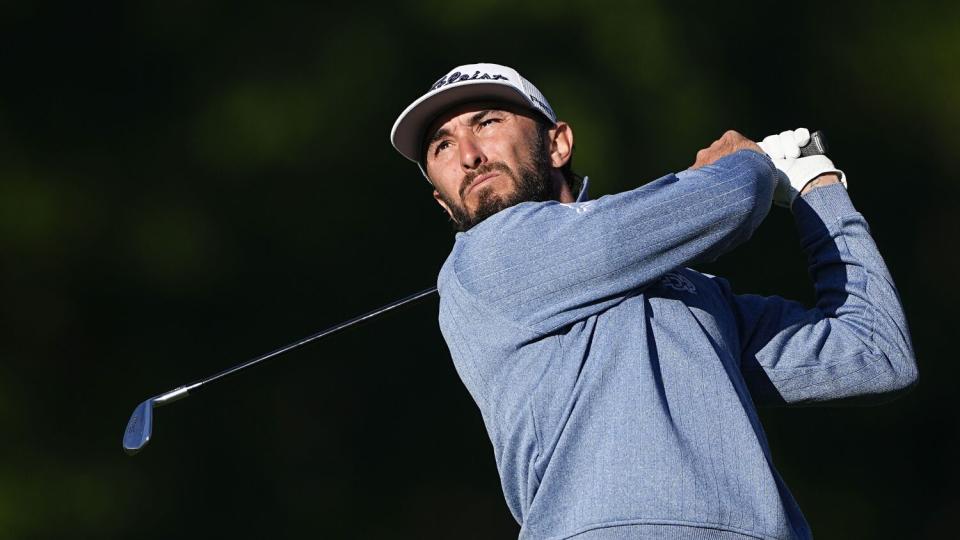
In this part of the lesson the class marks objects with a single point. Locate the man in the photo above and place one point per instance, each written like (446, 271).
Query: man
(617, 385)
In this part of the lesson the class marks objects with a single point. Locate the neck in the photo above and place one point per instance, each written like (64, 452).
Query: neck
(561, 190)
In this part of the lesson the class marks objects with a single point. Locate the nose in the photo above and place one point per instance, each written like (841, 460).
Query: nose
(471, 155)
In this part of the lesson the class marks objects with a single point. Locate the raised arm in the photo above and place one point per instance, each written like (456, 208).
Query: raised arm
(854, 343)
(546, 265)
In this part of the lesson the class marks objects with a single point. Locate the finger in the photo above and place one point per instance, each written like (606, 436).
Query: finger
(701, 156)
(698, 160)
(771, 145)
(802, 136)
(763, 146)
(789, 145)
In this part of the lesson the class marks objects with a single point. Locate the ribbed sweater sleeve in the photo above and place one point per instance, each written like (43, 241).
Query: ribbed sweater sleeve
(546, 265)
(854, 342)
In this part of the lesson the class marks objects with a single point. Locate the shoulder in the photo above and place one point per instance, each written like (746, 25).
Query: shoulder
(517, 229)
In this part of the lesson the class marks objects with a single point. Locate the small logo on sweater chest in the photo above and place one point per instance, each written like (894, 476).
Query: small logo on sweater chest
(678, 282)
(579, 207)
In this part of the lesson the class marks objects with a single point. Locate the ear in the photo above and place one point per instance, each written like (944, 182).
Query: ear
(561, 144)
(441, 202)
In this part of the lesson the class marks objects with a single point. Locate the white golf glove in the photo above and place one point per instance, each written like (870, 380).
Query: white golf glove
(784, 150)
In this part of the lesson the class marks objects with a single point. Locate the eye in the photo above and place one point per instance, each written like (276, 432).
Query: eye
(442, 145)
(487, 122)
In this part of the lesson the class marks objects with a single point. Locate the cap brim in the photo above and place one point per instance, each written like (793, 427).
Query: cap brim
(409, 129)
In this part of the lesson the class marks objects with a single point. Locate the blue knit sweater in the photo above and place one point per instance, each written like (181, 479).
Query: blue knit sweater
(619, 387)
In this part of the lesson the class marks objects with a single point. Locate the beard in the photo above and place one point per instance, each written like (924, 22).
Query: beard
(531, 181)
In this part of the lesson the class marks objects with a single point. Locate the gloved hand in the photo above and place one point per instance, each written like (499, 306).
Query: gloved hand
(795, 171)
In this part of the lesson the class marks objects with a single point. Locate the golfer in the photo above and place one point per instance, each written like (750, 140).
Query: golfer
(619, 386)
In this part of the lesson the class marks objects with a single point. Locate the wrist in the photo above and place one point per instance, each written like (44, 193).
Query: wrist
(822, 180)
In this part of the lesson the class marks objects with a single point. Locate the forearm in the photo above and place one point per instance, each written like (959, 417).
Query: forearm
(762, 186)
(546, 265)
(855, 342)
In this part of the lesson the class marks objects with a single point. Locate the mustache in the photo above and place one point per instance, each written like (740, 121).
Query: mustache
(489, 167)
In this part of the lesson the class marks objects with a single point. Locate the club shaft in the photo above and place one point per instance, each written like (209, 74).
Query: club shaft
(297, 344)
(817, 145)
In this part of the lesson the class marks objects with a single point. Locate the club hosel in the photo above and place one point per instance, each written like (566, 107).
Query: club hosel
(171, 396)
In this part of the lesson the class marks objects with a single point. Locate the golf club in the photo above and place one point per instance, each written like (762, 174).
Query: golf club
(140, 426)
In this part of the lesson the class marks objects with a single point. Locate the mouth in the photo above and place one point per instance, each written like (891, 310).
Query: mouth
(481, 180)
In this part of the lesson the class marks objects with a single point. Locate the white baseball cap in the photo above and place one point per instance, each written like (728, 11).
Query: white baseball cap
(470, 82)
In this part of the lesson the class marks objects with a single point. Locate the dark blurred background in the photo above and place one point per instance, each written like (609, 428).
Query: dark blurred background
(185, 185)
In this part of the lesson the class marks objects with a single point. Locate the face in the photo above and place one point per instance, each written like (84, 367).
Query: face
(483, 158)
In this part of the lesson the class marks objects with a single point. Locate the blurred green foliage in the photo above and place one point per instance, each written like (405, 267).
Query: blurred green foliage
(184, 185)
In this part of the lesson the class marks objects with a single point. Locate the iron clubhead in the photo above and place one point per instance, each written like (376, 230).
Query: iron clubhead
(139, 428)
